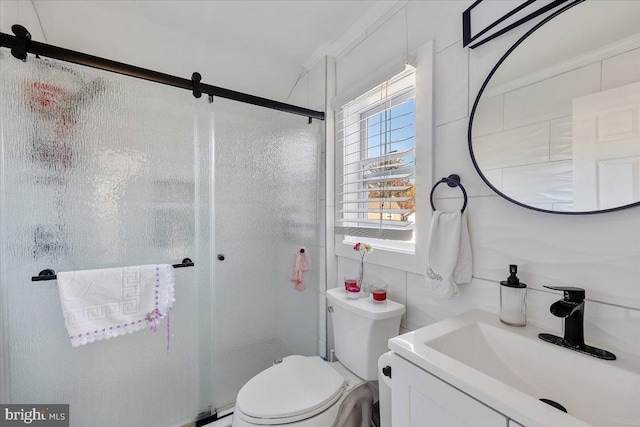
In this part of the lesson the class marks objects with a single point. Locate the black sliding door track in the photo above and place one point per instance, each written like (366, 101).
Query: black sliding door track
(21, 44)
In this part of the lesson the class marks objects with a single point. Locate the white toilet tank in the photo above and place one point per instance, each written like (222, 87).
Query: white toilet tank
(361, 329)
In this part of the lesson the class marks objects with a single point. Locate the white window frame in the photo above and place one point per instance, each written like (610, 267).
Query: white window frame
(405, 246)
(354, 208)
(388, 253)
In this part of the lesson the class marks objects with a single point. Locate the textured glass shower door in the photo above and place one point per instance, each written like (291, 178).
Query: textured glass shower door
(97, 171)
(267, 204)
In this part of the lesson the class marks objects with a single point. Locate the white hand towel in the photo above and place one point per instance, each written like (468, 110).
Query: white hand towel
(449, 256)
(464, 267)
(101, 304)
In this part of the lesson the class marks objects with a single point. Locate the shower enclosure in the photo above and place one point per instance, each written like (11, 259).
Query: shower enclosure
(267, 204)
(99, 170)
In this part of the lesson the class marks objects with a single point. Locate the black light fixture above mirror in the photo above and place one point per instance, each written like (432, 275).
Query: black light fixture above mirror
(513, 15)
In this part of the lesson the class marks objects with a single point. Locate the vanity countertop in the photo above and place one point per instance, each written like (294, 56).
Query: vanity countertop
(510, 369)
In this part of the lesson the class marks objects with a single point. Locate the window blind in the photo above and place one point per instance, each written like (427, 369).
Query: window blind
(375, 161)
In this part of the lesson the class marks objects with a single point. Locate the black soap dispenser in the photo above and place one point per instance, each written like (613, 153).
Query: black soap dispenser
(513, 299)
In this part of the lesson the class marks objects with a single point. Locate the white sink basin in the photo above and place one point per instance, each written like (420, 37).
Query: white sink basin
(510, 369)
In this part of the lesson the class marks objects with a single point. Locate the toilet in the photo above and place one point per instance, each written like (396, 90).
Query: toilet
(309, 392)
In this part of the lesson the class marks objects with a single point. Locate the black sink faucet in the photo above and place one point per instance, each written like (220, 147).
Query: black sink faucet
(571, 309)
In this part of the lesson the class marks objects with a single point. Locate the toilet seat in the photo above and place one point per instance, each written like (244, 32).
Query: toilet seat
(296, 389)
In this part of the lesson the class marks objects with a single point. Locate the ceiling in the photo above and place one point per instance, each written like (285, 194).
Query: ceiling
(273, 38)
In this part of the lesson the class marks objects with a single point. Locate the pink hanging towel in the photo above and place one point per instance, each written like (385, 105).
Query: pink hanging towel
(302, 264)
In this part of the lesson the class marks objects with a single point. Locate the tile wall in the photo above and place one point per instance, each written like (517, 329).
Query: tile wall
(600, 253)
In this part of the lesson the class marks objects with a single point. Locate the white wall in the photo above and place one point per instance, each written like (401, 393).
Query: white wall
(20, 12)
(597, 252)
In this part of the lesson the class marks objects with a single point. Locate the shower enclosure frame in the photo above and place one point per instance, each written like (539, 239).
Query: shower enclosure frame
(21, 44)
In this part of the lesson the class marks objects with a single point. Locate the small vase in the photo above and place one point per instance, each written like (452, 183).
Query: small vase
(364, 286)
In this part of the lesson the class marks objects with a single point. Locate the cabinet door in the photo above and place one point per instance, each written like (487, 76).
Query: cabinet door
(420, 399)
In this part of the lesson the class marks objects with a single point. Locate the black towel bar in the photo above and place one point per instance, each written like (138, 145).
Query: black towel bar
(452, 181)
(49, 274)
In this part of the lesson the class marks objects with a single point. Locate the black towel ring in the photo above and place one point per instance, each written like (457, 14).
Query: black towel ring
(452, 181)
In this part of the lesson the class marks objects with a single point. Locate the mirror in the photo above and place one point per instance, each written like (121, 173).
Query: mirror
(556, 125)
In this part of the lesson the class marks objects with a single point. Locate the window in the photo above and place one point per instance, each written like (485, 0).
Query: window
(375, 162)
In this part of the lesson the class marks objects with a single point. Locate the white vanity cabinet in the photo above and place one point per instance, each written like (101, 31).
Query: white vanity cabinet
(420, 399)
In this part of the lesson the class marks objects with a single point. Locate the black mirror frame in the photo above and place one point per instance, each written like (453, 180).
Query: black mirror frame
(477, 101)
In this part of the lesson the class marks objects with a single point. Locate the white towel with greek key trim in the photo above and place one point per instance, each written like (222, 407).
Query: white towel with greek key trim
(106, 303)
(450, 260)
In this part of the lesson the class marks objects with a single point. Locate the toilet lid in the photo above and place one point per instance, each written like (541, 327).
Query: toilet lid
(296, 386)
